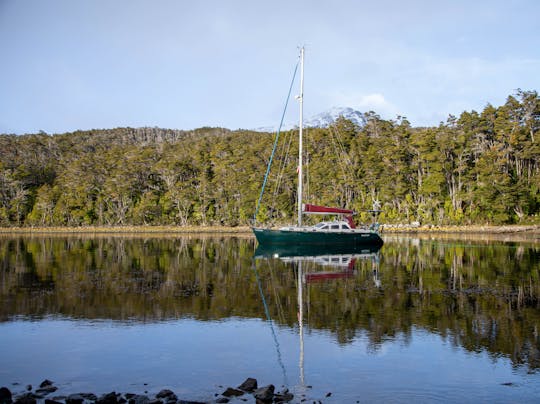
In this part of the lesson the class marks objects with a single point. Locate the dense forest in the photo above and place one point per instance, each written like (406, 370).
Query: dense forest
(478, 168)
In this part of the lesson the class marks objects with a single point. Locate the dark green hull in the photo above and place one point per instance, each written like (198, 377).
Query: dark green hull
(313, 250)
(272, 237)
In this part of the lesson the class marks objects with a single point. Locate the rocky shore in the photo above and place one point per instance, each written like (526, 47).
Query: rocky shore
(248, 391)
(414, 227)
(469, 229)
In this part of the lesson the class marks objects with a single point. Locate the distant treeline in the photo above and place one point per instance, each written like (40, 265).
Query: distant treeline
(478, 168)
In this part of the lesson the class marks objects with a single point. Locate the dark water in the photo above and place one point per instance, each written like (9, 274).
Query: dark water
(420, 320)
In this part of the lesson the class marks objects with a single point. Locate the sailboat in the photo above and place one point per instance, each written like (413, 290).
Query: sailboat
(338, 232)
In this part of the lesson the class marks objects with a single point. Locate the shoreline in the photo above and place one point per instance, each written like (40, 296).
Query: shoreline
(41, 394)
(242, 230)
(468, 229)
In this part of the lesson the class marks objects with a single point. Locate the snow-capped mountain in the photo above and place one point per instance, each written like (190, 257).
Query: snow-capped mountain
(323, 119)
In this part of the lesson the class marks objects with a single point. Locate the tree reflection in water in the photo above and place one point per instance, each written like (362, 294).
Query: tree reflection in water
(482, 295)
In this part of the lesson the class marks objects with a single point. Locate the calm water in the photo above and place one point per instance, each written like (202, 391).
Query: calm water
(420, 320)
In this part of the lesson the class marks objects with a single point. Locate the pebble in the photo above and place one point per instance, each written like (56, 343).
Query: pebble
(264, 394)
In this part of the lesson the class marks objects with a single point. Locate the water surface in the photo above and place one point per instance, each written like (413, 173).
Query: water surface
(423, 319)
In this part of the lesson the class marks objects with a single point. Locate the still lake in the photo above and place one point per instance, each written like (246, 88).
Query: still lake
(424, 319)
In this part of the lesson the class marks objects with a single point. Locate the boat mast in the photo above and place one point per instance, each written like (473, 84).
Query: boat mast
(300, 143)
(301, 322)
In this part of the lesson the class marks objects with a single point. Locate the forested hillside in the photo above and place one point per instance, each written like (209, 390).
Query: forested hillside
(481, 167)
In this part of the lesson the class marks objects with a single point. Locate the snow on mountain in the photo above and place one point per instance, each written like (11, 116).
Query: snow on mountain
(323, 119)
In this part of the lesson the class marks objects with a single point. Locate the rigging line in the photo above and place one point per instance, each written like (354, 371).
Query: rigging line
(338, 154)
(307, 163)
(337, 140)
(281, 171)
(280, 316)
(345, 162)
(275, 143)
(269, 319)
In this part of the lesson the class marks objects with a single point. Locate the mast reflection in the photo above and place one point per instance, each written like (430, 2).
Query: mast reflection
(336, 262)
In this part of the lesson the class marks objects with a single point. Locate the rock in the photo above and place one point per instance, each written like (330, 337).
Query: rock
(328, 394)
(28, 387)
(155, 401)
(138, 399)
(47, 389)
(49, 401)
(190, 402)
(265, 394)
(89, 396)
(45, 383)
(109, 398)
(129, 396)
(5, 396)
(74, 399)
(249, 385)
(222, 400)
(122, 400)
(283, 397)
(230, 392)
(167, 395)
(27, 398)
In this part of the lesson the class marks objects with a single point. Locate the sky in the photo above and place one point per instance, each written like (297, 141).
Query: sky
(67, 65)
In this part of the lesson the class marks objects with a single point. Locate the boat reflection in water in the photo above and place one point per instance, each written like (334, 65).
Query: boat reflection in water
(324, 263)
(337, 261)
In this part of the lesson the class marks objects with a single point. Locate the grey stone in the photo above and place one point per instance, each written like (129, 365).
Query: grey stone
(47, 389)
(138, 399)
(5, 396)
(109, 398)
(283, 397)
(74, 399)
(250, 384)
(167, 394)
(222, 400)
(230, 392)
(190, 402)
(265, 394)
(45, 383)
(27, 398)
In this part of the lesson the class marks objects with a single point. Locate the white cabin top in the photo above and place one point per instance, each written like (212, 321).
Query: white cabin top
(335, 225)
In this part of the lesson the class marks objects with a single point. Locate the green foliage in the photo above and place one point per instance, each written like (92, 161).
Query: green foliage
(477, 168)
